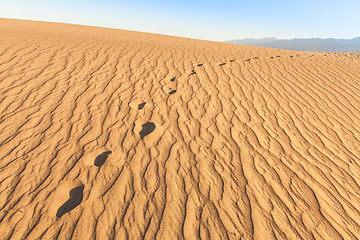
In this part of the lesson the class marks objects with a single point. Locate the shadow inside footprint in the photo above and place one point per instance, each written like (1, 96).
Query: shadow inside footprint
(193, 72)
(100, 160)
(199, 65)
(76, 196)
(141, 105)
(172, 92)
(173, 79)
(147, 128)
(222, 64)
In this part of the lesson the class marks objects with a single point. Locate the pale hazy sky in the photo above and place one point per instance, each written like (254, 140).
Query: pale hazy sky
(211, 20)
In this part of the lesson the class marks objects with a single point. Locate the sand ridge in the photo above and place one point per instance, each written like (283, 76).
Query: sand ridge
(114, 134)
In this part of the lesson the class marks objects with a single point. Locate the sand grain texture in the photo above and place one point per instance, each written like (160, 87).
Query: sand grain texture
(113, 134)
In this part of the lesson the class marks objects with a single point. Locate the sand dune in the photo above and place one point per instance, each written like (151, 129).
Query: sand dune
(113, 134)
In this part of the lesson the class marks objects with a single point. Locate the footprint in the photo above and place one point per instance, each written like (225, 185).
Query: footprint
(147, 128)
(76, 196)
(137, 104)
(248, 59)
(222, 64)
(100, 160)
(271, 57)
(141, 105)
(232, 60)
(173, 79)
(199, 65)
(169, 88)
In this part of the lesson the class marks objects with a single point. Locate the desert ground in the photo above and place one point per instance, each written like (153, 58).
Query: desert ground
(114, 134)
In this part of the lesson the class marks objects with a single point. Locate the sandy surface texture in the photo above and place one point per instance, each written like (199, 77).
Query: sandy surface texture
(113, 134)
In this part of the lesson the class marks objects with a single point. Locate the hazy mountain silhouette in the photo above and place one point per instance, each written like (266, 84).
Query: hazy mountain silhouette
(305, 44)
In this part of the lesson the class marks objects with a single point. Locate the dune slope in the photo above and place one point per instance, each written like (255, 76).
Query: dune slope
(113, 134)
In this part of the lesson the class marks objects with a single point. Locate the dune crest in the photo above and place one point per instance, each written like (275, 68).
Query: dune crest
(113, 134)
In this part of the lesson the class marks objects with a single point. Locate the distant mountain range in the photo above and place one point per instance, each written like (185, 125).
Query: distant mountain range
(304, 44)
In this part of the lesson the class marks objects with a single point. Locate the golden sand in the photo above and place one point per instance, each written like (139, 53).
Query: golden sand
(114, 134)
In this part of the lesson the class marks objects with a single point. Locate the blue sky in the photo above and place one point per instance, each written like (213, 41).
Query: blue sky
(210, 20)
